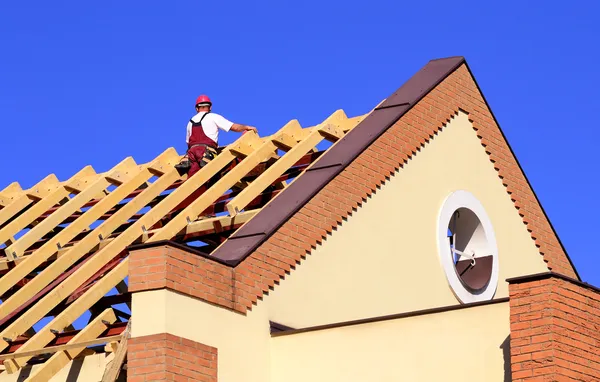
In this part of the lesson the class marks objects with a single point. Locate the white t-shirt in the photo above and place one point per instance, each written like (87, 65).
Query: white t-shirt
(210, 124)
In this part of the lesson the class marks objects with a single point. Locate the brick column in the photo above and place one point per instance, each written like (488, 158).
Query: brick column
(168, 265)
(165, 357)
(555, 329)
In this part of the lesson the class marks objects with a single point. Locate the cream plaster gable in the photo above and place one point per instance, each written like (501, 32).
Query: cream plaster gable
(383, 259)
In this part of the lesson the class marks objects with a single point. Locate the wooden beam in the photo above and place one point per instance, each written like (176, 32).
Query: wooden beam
(216, 224)
(87, 193)
(29, 263)
(16, 201)
(113, 369)
(5, 195)
(191, 212)
(93, 239)
(272, 173)
(62, 357)
(13, 208)
(26, 218)
(66, 317)
(67, 346)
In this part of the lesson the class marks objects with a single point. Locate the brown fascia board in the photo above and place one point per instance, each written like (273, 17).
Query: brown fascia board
(248, 237)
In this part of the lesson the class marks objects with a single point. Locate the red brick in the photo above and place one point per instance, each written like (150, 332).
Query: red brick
(568, 348)
(183, 359)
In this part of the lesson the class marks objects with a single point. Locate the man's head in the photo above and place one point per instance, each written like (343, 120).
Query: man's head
(203, 103)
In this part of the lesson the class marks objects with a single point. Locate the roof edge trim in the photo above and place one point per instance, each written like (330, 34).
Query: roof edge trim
(548, 275)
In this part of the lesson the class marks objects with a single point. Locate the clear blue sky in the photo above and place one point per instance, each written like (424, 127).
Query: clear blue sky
(94, 82)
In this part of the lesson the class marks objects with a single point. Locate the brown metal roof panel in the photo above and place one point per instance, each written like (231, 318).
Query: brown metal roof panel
(423, 82)
(272, 216)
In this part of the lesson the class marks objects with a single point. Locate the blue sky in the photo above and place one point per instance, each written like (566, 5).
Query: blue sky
(94, 82)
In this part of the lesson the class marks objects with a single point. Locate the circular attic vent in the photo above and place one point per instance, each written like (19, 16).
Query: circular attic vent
(467, 248)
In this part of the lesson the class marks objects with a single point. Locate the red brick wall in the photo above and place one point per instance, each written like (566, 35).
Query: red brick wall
(555, 330)
(326, 210)
(164, 357)
(169, 267)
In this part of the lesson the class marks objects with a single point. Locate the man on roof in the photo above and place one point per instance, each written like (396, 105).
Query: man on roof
(203, 135)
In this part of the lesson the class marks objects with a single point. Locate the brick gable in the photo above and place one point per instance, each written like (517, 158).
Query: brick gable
(347, 191)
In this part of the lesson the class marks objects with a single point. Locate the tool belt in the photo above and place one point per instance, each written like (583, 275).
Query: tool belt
(209, 154)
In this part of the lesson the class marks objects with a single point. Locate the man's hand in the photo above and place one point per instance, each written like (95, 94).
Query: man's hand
(243, 128)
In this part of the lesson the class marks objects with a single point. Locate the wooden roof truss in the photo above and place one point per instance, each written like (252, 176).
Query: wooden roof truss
(65, 243)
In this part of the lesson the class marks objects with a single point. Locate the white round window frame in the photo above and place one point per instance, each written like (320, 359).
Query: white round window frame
(456, 200)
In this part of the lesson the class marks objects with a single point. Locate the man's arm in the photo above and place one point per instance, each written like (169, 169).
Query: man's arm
(240, 128)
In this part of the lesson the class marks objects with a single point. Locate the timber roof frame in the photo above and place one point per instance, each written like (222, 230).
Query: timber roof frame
(74, 235)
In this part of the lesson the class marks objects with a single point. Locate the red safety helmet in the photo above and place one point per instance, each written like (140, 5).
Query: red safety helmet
(203, 100)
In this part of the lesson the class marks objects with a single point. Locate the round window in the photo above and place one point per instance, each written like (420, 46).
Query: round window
(467, 248)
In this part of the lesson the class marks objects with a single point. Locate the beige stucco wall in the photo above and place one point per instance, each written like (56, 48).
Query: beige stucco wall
(384, 259)
(242, 341)
(437, 347)
(88, 369)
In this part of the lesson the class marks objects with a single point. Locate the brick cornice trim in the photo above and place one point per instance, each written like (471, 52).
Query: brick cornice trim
(549, 275)
(180, 269)
(166, 357)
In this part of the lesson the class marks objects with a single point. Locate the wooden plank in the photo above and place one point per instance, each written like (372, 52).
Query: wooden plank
(35, 211)
(191, 212)
(16, 201)
(87, 193)
(216, 224)
(272, 173)
(13, 208)
(66, 317)
(67, 346)
(50, 248)
(5, 195)
(113, 369)
(62, 357)
(351, 123)
(44, 187)
(93, 239)
(331, 132)
(284, 141)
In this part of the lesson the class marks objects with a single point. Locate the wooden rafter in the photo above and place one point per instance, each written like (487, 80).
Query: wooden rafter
(62, 357)
(66, 317)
